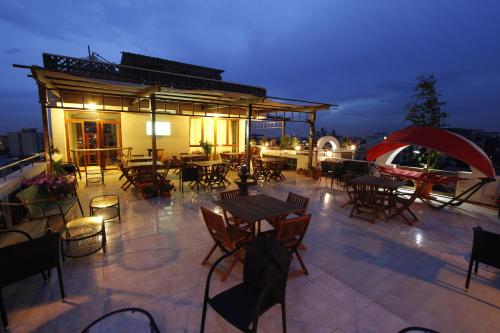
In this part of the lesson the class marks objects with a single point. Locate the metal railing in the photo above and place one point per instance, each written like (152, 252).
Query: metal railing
(4, 170)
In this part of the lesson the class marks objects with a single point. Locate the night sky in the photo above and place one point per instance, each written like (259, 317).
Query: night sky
(363, 55)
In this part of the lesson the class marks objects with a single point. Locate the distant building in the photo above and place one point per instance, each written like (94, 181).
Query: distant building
(25, 143)
(4, 144)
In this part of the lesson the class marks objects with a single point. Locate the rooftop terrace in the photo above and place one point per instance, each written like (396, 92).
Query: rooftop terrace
(363, 277)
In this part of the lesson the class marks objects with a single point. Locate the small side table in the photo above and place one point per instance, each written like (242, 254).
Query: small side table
(83, 236)
(106, 206)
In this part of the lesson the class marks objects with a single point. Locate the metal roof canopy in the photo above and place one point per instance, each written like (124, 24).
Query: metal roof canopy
(264, 108)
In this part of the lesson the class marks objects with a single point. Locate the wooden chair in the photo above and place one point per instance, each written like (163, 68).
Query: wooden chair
(402, 205)
(32, 256)
(189, 174)
(290, 232)
(259, 171)
(217, 176)
(297, 200)
(232, 194)
(485, 249)
(265, 275)
(226, 238)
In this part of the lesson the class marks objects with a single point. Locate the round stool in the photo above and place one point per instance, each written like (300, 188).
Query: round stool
(106, 206)
(83, 236)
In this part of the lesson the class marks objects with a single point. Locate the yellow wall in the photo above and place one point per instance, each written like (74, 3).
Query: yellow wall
(58, 131)
(134, 134)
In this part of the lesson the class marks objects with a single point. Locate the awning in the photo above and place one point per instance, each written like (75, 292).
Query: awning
(443, 141)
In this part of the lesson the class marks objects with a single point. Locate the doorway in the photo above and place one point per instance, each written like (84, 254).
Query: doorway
(84, 133)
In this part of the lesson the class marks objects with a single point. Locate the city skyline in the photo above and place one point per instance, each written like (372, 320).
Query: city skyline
(365, 59)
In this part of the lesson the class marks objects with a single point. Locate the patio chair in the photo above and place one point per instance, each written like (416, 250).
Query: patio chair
(485, 249)
(39, 203)
(291, 232)
(116, 321)
(259, 171)
(71, 168)
(32, 256)
(217, 176)
(417, 330)
(265, 275)
(189, 174)
(300, 201)
(338, 173)
(326, 170)
(226, 238)
(402, 205)
(227, 195)
(94, 174)
(163, 172)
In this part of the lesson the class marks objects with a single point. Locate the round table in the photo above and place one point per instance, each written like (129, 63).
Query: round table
(84, 236)
(106, 206)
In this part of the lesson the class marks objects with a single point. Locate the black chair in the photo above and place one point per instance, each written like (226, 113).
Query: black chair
(33, 256)
(417, 330)
(189, 174)
(265, 275)
(485, 249)
(104, 323)
(326, 170)
(71, 168)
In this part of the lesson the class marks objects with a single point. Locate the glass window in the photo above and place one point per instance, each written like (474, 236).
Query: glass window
(196, 131)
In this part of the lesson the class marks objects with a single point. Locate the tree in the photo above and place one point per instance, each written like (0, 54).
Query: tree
(425, 110)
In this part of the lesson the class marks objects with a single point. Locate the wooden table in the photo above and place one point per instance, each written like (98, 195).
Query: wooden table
(206, 166)
(372, 192)
(139, 159)
(255, 208)
(132, 165)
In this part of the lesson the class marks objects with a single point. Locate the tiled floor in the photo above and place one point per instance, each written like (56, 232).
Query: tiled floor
(363, 277)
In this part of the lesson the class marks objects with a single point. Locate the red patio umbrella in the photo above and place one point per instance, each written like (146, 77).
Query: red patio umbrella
(440, 140)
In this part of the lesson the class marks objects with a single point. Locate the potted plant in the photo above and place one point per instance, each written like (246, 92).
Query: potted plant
(207, 147)
(165, 188)
(315, 173)
(148, 191)
(58, 187)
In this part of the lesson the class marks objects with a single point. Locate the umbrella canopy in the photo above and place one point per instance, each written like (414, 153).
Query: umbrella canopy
(438, 139)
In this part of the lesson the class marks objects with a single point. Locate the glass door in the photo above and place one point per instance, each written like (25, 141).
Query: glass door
(110, 138)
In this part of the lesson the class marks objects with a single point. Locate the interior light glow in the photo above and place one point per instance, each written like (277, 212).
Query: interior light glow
(161, 128)
(91, 106)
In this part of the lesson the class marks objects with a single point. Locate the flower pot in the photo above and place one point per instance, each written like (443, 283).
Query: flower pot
(426, 189)
(315, 173)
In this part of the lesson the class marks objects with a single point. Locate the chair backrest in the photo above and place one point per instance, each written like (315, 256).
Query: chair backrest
(266, 267)
(325, 166)
(293, 229)
(232, 194)
(216, 227)
(486, 247)
(21, 260)
(299, 201)
(32, 193)
(417, 330)
(127, 319)
(189, 174)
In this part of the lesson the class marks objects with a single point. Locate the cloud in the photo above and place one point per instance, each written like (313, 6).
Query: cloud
(12, 50)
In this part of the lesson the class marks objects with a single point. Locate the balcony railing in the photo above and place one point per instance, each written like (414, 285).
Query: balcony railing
(18, 165)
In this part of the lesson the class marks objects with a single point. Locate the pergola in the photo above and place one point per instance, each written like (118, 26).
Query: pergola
(75, 84)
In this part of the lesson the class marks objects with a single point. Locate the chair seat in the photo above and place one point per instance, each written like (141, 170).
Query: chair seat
(236, 234)
(237, 305)
(50, 208)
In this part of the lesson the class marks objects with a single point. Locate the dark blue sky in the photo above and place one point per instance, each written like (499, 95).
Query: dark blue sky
(363, 55)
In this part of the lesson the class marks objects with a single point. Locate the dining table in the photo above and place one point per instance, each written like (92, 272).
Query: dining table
(375, 193)
(255, 208)
(206, 167)
(143, 166)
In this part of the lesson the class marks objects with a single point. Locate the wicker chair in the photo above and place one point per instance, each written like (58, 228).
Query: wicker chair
(265, 274)
(32, 256)
(226, 238)
(485, 249)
